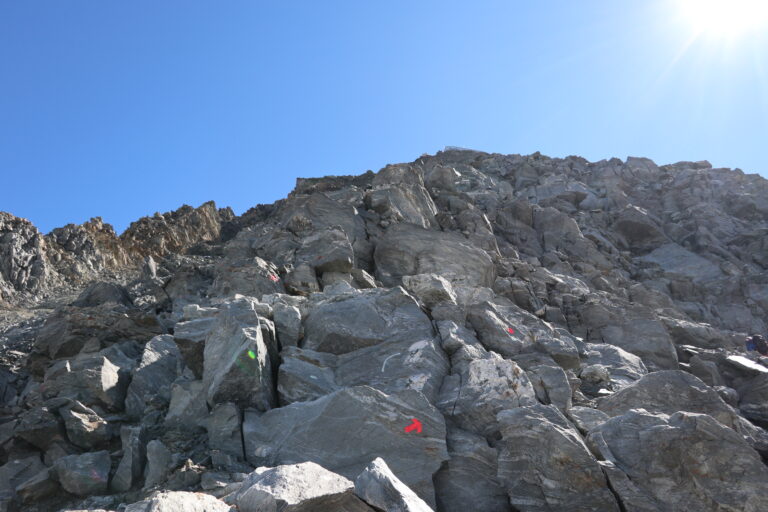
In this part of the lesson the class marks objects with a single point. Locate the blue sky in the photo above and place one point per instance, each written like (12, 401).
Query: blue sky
(120, 109)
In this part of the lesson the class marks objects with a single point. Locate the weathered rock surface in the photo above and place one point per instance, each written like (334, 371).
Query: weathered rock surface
(179, 501)
(151, 381)
(683, 461)
(468, 481)
(539, 445)
(521, 302)
(347, 429)
(379, 487)
(296, 487)
(361, 319)
(84, 474)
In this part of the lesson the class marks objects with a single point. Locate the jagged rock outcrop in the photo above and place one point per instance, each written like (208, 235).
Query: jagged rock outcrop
(468, 331)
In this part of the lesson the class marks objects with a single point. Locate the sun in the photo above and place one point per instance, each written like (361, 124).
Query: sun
(725, 18)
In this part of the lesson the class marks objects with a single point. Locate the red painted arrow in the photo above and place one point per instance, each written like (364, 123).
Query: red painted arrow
(416, 425)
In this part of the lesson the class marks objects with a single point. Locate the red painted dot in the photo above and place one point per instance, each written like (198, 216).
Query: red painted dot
(274, 278)
(511, 330)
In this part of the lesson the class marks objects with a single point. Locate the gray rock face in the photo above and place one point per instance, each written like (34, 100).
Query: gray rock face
(296, 487)
(347, 429)
(634, 328)
(179, 501)
(84, 474)
(684, 461)
(487, 385)
(379, 487)
(247, 276)
(361, 319)
(407, 249)
(237, 366)
(668, 392)
(160, 365)
(305, 375)
(539, 445)
(467, 481)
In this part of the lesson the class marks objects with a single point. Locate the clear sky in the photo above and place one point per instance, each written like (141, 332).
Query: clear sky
(123, 108)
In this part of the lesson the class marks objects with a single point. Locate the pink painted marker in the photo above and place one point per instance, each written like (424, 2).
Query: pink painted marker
(510, 330)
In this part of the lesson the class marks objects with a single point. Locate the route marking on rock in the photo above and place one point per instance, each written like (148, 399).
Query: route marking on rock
(273, 278)
(387, 359)
(415, 425)
(510, 330)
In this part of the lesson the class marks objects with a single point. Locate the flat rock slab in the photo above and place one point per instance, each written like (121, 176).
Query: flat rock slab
(347, 429)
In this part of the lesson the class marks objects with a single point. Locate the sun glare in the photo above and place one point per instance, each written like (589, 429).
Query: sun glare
(725, 18)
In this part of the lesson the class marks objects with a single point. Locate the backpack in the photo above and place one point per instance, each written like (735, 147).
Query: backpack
(751, 345)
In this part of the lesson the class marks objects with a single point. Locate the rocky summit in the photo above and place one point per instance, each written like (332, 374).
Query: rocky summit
(466, 332)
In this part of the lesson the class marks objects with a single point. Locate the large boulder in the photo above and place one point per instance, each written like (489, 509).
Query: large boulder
(468, 481)
(668, 392)
(623, 367)
(545, 466)
(84, 474)
(487, 385)
(364, 318)
(90, 378)
(305, 375)
(296, 488)
(237, 364)
(754, 400)
(85, 428)
(160, 365)
(347, 429)
(406, 249)
(684, 461)
(253, 277)
(179, 501)
(379, 487)
(418, 364)
(631, 326)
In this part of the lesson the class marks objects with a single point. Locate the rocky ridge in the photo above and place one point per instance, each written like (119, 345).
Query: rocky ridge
(569, 335)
